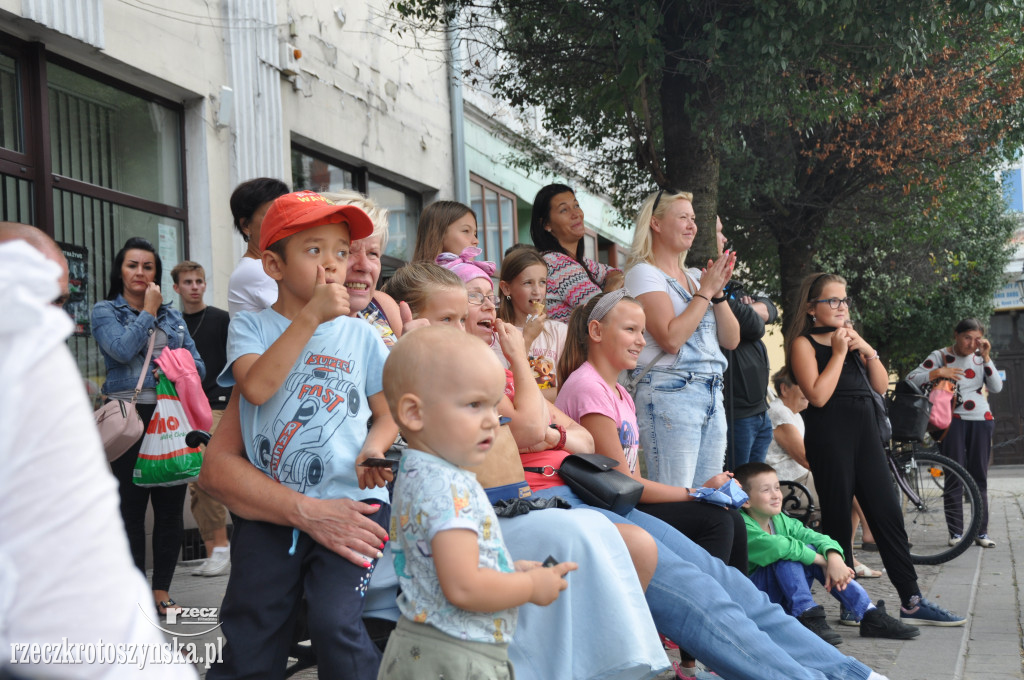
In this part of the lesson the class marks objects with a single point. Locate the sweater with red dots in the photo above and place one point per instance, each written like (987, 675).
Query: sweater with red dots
(978, 375)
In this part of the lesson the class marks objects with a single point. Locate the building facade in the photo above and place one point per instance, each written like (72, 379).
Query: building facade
(131, 118)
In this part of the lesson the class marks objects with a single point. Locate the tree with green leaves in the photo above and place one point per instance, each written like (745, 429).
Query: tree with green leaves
(783, 116)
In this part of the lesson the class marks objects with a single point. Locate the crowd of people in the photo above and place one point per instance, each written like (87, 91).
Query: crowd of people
(318, 378)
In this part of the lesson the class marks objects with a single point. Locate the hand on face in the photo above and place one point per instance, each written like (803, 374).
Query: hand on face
(985, 347)
(153, 298)
(329, 300)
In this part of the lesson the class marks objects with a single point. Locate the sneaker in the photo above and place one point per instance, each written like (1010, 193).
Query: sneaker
(955, 539)
(848, 618)
(929, 614)
(218, 563)
(814, 620)
(877, 624)
(984, 541)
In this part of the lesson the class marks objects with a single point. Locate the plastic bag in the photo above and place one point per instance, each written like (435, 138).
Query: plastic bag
(165, 459)
(941, 397)
(731, 495)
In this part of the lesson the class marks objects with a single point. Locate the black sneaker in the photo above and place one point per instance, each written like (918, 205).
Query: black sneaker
(814, 620)
(877, 624)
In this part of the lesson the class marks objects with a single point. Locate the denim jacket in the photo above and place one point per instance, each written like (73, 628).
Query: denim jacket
(122, 333)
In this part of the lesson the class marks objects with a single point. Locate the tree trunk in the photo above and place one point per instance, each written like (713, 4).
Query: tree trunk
(795, 235)
(692, 156)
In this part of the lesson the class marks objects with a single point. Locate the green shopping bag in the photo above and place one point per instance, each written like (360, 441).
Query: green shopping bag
(165, 459)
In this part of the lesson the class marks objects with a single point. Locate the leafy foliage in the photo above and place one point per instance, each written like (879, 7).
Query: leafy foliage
(828, 133)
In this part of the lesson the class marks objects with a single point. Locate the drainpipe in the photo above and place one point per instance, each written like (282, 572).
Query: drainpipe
(458, 119)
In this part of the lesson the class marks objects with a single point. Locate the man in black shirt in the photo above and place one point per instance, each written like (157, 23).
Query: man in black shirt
(746, 378)
(208, 327)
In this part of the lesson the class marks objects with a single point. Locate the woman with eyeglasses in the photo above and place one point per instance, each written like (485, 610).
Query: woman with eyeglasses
(837, 370)
(679, 396)
(556, 227)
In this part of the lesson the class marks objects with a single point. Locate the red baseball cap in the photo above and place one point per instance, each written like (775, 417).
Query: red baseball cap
(295, 212)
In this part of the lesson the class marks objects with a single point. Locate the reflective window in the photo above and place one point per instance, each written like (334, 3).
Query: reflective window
(496, 216)
(107, 137)
(316, 174)
(310, 171)
(11, 133)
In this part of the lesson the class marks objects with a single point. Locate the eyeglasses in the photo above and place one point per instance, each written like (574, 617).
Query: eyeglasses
(480, 298)
(835, 303)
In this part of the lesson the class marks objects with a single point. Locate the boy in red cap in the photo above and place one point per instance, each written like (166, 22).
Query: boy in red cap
(309, 377)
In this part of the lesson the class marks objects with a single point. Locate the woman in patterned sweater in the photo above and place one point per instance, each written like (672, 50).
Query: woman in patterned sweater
(556, 228)
(968, 440)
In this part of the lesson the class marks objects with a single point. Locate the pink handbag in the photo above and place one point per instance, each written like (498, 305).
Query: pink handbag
(180, 368)
(941, 398)
(118, 422)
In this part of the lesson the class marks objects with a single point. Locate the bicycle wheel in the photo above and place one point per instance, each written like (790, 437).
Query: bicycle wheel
(940, 500)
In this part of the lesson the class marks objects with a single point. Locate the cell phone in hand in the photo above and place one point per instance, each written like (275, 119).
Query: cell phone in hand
(381, 463)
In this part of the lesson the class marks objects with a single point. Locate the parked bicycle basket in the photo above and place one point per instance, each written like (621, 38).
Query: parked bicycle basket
(909, 409)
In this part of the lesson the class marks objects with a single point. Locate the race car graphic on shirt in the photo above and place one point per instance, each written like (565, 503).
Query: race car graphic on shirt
(320, 399)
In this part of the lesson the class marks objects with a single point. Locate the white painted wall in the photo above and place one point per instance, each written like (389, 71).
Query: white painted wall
(363, 95)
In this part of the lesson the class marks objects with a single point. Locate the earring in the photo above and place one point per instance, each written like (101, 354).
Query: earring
(508, 297)
(814, 319)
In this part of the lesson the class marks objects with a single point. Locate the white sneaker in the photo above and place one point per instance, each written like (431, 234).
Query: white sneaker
(218, 563)
(984, 541)
(955, 539)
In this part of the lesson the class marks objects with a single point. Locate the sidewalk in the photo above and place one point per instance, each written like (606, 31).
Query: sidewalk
(981, 584)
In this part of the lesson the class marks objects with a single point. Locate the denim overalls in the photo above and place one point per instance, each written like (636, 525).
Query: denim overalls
(679, 407)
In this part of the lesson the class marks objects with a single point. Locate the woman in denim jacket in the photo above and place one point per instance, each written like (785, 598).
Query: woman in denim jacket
(122, 325)
(679, 402)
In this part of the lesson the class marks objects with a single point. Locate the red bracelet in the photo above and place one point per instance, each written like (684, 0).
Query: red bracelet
(560, 446)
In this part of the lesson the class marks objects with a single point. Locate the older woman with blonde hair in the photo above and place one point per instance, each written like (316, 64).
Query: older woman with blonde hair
(679, 396)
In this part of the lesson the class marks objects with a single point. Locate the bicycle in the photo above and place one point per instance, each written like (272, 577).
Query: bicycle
(928, 486)
(933, 491)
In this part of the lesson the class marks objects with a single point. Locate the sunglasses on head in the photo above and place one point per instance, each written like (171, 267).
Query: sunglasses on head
(657, 199)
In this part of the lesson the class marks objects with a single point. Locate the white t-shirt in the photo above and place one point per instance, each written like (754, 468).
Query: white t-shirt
(544, 353)
(65, 567)
(250, 289)
(646, 278)
(785, 467)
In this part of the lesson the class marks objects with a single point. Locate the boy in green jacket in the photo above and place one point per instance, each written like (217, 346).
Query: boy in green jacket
(785, 556)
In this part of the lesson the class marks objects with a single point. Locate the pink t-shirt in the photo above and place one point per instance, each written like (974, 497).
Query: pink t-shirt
(586, 392)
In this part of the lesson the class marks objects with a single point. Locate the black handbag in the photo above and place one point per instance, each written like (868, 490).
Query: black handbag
(881, 414)
(909, 411)
(593, 478)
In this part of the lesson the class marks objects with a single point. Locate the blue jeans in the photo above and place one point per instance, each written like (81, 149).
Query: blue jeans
(748, 441)
(788, 584)
(682, 426)
(715, 612)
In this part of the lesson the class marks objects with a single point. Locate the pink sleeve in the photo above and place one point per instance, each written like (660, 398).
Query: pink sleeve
(584, 393)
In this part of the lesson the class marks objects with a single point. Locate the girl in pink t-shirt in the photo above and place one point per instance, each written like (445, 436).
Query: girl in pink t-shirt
(605, 338)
